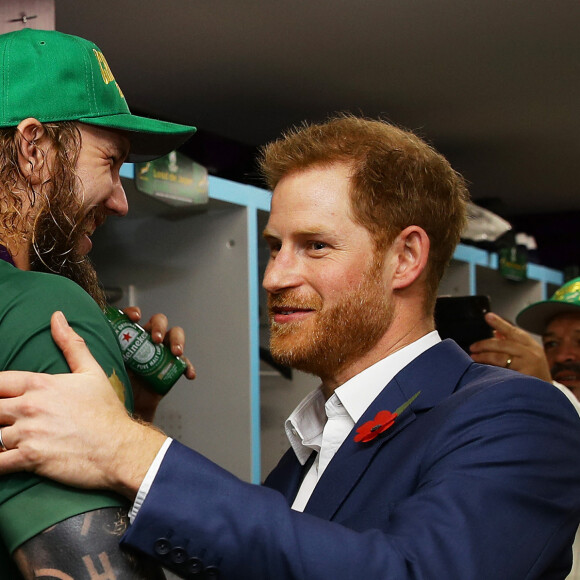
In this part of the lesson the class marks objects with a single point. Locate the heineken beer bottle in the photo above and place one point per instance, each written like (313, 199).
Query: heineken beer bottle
(154, 362)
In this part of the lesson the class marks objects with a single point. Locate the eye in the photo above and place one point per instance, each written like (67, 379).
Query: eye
(274, 246)
(317, 245)
(549, 344)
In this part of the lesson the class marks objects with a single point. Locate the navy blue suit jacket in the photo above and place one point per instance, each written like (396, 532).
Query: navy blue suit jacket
(479, 479)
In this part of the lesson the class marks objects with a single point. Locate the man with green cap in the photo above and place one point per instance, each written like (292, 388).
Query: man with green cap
(557, 321)
(65, 131)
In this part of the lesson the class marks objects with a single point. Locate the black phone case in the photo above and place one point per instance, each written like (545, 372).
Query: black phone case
(462, 319)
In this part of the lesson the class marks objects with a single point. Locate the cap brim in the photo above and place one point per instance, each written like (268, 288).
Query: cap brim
(150, 138)
(536, 317)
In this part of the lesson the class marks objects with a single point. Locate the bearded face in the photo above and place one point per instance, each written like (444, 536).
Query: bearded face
(333, 336)
(59, 228)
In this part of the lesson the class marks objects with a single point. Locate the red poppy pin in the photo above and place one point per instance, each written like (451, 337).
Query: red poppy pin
(382, 421)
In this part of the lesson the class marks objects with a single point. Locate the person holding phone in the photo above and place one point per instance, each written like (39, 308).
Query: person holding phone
(557, 322)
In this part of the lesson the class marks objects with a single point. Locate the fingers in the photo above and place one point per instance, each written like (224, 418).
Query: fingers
(498, 359)
(176, 340)
(157, 327)
(13, 383)
(73, 347)
(190, 370)
(500, 325)
(13, 461)
(174, 337)
(493, 345)
(133, 312)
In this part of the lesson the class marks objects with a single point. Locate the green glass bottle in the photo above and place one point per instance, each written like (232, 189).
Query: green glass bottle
(154, 362)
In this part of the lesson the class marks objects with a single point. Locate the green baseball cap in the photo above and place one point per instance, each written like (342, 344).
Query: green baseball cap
(53, 76)
(536, 317)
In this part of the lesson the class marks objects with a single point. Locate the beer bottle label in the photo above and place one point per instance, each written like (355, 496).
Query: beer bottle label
(154, 362)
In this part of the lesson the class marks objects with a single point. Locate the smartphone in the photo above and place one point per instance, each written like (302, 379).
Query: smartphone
(462, 319)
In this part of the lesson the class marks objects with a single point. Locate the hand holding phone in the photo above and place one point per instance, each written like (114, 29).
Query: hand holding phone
(462, 318)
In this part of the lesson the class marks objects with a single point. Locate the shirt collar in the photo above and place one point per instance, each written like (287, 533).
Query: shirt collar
(305, 425)
(358, 393)
(5, 255)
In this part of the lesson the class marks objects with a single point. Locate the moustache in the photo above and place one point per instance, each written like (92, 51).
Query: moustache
(567, 366)
(289, 299)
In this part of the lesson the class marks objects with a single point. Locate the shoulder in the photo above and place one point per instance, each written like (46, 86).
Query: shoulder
(38, 285)
(27, 302)
(511, 388)
(28, 299)
(505, 411)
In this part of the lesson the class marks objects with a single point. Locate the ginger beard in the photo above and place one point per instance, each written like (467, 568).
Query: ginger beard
(335, 336)
(57, 234)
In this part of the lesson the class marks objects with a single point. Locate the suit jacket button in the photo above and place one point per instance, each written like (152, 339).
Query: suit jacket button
(162, 546)
(178, 555)
(194, 566)
(212, 572)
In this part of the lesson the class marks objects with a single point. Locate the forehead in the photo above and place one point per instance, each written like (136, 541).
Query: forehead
(565, 323)
(314, 193)
(103, 137)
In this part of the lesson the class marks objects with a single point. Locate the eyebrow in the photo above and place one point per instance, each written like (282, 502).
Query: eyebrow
(306, 232)
(118, 149)
(122, 152)
(552, 333)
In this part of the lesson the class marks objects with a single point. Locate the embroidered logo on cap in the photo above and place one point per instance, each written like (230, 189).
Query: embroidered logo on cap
(106, 71)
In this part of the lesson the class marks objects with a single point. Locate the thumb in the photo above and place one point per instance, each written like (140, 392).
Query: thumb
(73, 347)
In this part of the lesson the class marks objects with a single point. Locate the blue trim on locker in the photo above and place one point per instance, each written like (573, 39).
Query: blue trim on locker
(253, 199)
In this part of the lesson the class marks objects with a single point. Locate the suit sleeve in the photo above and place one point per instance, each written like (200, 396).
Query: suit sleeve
(490, 490)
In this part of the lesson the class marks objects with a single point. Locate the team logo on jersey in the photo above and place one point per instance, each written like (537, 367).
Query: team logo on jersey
(118, 386)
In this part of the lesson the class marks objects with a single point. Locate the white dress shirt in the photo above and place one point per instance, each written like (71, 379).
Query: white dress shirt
(322, 427)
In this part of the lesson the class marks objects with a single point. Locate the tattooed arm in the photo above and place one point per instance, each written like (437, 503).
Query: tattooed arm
(84, 547)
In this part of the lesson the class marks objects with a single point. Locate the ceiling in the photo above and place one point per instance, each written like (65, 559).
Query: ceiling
(493, 84)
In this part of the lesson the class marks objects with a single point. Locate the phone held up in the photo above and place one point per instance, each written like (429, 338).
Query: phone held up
(462, 319)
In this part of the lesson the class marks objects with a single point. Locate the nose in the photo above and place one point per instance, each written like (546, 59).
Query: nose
(282, 272)
(116, 203)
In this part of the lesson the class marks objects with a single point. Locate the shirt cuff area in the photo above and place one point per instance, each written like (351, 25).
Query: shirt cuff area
(148, 480)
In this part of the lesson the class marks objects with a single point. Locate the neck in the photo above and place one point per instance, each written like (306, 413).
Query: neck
(399, 335)
(16, 256)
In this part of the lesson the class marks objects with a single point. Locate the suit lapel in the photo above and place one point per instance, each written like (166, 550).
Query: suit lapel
(288, 474)
(436, 374)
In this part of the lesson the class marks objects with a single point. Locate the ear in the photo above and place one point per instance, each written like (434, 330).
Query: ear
(411, 249)
(31, 146)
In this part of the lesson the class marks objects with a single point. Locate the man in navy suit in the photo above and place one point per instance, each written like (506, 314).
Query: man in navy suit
(409, 461)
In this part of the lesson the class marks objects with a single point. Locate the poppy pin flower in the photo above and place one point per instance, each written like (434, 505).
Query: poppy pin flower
(383, 420)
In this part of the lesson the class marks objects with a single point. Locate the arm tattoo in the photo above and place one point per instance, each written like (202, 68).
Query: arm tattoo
(84, 547)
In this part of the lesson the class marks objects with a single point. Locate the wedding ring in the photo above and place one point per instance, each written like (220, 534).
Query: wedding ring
(508, 362)
(2, 446)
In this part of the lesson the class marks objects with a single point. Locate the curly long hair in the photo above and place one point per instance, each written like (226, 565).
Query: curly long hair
(57, 193)
(53, 228)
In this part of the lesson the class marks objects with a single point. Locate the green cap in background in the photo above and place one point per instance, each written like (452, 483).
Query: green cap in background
(53, 77)
(536, 317)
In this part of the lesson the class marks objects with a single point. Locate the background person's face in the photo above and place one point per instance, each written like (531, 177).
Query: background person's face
(562, 347)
